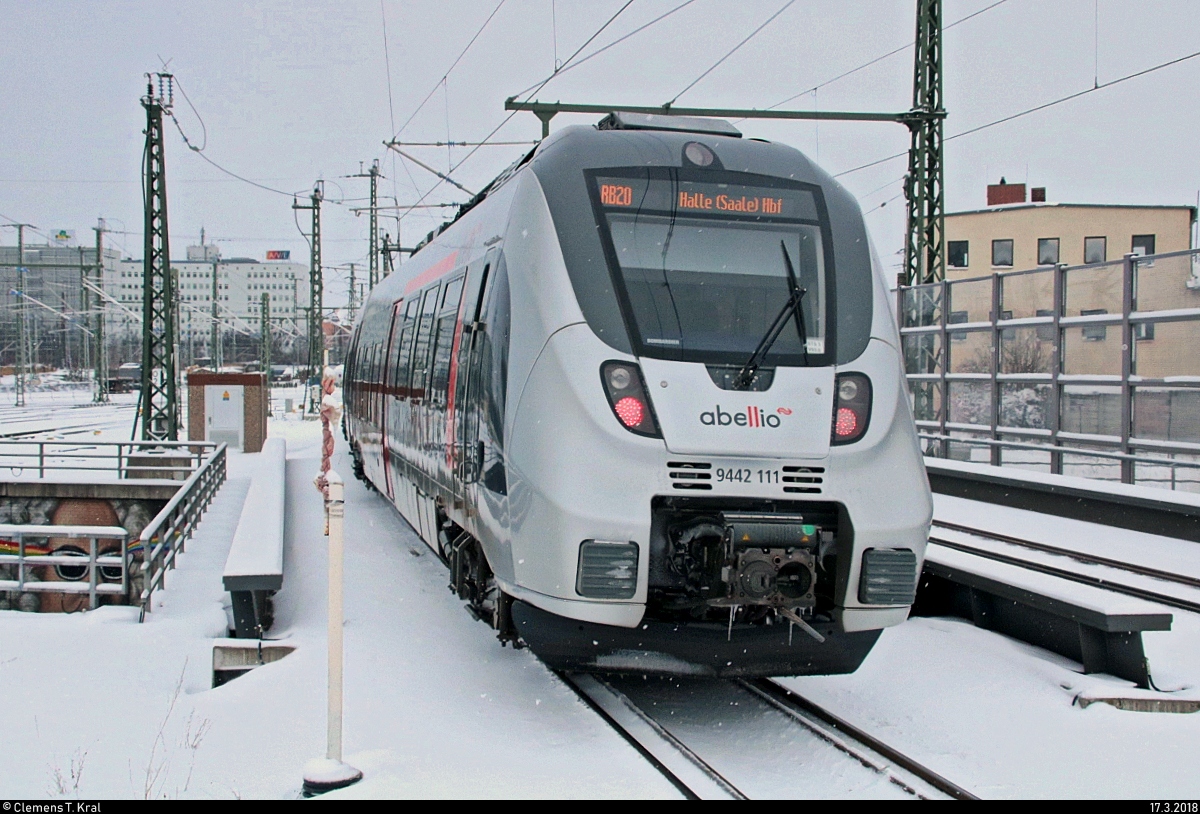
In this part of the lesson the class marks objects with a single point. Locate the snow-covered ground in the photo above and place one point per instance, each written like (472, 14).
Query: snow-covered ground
(97, 705)
(1001, 717)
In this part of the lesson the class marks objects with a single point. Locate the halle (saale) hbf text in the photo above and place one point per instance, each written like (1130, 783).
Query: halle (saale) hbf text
(727, 203)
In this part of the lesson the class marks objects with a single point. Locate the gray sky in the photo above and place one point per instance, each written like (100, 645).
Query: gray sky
(292, 91)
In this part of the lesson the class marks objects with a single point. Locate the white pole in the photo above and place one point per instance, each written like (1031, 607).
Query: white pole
(331, 773)
(336, 520)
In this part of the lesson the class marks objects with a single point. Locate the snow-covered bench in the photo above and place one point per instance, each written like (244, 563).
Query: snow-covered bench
(254, 568)
(1100, 629)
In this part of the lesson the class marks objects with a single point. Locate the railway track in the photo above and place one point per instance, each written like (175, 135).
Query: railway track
(1098, 580)
(688, 772)
(117, 415)
(821, 720)
(644, 713)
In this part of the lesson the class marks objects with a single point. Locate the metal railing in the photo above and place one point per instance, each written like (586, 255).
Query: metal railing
(1079, 369)
(164, 537)
(26, 548)
(125, 459)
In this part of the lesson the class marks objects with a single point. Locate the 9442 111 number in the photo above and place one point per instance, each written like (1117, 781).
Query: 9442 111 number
(743, 475)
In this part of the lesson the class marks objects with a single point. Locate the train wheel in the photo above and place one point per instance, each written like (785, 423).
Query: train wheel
(356, 462)
(472, 579)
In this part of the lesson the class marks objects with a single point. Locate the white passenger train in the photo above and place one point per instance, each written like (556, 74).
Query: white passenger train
(644, 397)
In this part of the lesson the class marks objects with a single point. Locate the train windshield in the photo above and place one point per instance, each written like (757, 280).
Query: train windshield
(702, 270)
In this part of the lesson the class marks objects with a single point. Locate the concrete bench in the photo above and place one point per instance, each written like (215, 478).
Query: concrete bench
(254, 568)
(1100, 629)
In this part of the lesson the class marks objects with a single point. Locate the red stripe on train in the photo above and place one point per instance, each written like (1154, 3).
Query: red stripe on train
(432, 273)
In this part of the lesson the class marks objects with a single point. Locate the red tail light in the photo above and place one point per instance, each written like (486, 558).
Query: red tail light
(851, 408)
(845, 424)
(631, 411)
(627, 396)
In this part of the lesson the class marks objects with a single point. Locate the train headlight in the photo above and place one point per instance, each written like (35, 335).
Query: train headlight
(698, 154)
(619, 377)
(627, 397)
(851, 409)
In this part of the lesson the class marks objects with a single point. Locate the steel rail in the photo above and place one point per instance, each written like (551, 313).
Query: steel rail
(651, 739)
(1079, 556)
(803, 711)
(619, 712)
(1073, 576)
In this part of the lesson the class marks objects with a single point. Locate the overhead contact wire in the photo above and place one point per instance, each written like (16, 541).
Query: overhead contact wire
(891, 53)
(453, 65)
(735, 49)
(508, 118)
(599, 51)
(1023, 113)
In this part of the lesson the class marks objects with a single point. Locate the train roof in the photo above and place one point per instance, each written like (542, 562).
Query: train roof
(563, 160)
(680, 129)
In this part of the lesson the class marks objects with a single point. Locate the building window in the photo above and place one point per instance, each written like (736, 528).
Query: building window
(1047, 251)
(957, 318)
(1002, 253)
(1143, 331)
(1094, 333)
(1143, 245)
(956, 254)
(1095, 249)
(1045, 333)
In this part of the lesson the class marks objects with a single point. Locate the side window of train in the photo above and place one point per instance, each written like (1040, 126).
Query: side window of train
(375, 385)
(420, 363)
(406, 343)
(392, 374)
(367, 381)
(499, 322)
(444, 340)
(380, 360)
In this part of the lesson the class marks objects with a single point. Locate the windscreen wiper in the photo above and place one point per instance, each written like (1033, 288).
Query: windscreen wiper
(790, 308)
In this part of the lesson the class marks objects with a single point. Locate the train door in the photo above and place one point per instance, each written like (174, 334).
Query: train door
(467, 378)
(418, 443)
(388, 386)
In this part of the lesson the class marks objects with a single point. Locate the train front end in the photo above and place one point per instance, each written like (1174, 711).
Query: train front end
(713, 467)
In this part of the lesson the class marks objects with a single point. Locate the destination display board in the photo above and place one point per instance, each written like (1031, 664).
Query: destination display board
(739, 200)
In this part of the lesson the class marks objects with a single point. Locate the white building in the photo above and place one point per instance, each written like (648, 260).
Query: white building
(241, 282)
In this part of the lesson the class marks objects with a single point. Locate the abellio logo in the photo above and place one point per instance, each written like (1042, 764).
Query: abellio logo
(752, 417)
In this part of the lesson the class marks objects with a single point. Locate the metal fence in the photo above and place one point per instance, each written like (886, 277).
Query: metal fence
(113, 564)
(1087, 370)
(164, 537)
(171, 460)
(27, 564)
